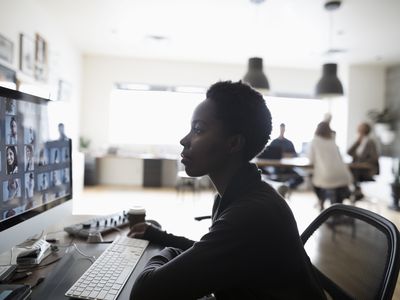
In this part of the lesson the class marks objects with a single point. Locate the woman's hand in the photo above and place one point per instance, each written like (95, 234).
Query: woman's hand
(138, 230)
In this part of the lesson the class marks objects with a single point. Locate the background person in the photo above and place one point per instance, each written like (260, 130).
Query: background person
(253, 245)
(331, 176)
(61, 131)
(364, 150)
(292, 177)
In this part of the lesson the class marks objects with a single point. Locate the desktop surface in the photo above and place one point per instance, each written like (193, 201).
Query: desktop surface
(72, 265)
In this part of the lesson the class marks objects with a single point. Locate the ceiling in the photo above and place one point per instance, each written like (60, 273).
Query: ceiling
(289, 33)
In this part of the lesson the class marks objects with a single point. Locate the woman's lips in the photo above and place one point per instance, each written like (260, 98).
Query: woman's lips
(185, 159)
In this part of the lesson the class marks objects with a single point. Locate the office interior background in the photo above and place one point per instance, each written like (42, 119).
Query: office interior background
(128, 73)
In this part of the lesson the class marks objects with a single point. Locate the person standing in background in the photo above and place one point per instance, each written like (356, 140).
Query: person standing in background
(364, 150)
(331, 176)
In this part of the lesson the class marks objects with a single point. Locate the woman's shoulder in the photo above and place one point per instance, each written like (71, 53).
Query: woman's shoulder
(260, 203)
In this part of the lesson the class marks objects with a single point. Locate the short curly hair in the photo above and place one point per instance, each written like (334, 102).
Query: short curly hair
(243, 111)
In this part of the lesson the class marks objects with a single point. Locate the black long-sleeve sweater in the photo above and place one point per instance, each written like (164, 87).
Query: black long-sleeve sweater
(252, 251)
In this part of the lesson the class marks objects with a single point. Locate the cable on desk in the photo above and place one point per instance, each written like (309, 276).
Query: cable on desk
(89, 257)
(39, 281)
(53, 232)
(117, 229)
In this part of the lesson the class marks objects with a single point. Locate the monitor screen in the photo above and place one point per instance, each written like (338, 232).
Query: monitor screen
(35, 169)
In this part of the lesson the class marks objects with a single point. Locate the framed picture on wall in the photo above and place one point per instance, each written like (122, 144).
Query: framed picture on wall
(64, 90)
(8, 77)
(26, 54)
(41, 51)
(6, 50)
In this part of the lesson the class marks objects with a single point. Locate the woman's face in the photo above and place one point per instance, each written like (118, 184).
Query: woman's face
(362, 129)
(205, 147)
(10, 157)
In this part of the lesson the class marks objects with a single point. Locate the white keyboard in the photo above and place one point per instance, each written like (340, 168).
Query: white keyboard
(108, 274)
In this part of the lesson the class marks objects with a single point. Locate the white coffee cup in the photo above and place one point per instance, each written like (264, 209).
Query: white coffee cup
(137, 214)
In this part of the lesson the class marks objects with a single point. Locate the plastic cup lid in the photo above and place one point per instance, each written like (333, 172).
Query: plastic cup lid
(137, 210)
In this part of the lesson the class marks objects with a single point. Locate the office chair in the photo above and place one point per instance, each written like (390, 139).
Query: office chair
(355, 252)
(283, 179)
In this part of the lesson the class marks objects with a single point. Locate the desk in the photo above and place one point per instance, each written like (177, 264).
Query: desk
(73, 265)
(301, 162)
(61, 275)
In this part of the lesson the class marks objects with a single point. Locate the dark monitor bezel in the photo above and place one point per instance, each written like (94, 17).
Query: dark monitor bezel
(7, 223)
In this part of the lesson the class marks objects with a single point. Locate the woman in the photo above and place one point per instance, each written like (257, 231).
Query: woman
(29, 185)
(43, 157)
(253, 249)
(331, 176)
(364, 150)
(29, 163)
(12, 136)
(12, 160)
(13, 189)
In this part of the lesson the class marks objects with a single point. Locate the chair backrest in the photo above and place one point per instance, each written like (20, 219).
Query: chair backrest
(355, 252)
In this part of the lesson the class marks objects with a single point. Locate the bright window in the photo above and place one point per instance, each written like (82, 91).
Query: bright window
(150, 117)
(157, 118)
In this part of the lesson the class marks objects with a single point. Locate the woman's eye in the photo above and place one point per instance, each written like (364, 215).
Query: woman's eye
(197, 130)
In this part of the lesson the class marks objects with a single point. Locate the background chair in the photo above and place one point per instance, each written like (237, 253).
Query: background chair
(184, 181)
(355, 252)
(283, 179)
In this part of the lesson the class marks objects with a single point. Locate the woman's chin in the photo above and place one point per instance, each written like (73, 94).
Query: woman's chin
(192, 172)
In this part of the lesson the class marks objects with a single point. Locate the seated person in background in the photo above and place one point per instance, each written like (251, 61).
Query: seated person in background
(331, 176)
(252, 249)
(290, 176)
(364, 150)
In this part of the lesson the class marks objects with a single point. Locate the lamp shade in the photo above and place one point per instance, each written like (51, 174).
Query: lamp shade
(329, 84)
(255, 76)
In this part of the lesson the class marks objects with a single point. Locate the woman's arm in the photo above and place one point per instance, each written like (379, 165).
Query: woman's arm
(155, 235)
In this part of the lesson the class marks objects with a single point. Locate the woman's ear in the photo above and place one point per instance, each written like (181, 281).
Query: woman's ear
(236, 143)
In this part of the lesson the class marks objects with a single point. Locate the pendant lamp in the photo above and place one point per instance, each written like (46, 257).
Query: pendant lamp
(329, 84)
(255, 76)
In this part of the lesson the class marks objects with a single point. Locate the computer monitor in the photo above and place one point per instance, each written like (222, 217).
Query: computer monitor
(35, 167)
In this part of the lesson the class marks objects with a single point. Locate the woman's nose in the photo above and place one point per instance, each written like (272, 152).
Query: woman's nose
(184, 140)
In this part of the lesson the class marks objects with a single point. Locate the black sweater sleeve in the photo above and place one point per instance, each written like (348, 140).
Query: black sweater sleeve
(155, 235)
(200, 270)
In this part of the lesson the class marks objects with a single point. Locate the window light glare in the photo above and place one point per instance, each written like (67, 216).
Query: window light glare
(190, 89)
(133, 86)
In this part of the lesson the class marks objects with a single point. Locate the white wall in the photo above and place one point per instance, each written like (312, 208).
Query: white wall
(366, 91)
(100, 73)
